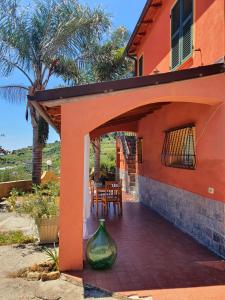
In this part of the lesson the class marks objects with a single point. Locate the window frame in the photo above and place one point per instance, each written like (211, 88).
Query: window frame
(177, 143)
(179, 32)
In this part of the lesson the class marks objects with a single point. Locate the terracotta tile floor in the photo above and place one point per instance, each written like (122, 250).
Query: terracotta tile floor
(155, 258)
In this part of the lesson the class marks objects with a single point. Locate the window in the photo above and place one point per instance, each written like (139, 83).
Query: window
(140, 66)
(179, 148)
(181, 32)
(140, 150)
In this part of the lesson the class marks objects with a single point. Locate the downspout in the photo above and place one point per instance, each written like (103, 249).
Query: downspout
(135, 64)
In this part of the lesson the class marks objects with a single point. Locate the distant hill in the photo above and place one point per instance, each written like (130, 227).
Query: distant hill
(18, 163)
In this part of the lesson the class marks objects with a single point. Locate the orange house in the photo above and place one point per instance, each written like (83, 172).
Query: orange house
(176, 107)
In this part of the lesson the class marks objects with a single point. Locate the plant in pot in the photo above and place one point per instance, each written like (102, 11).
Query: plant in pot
(43, 208)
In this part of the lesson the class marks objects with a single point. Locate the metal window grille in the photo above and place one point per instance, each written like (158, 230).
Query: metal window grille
(179, 148)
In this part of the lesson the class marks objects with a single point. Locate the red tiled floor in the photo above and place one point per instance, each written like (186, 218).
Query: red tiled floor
(155, 258)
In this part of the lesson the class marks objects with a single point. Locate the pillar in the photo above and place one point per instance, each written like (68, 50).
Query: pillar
(71, 198)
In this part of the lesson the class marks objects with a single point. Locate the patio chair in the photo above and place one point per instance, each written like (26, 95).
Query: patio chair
(113, 191)
(97, 197)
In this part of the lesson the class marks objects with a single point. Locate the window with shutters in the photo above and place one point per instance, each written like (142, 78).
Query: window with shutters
(140, 66)
(179, 148)
(181, 32)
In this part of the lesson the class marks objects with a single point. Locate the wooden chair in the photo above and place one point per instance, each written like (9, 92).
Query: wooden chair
(97, 197)
(113, 190)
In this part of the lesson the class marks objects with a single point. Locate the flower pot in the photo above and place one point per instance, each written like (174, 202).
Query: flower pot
(48, 229)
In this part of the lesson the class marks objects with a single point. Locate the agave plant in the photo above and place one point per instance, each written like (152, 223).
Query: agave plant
(53, 257)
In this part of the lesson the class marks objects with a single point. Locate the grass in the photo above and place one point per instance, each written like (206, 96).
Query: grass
(15, 237)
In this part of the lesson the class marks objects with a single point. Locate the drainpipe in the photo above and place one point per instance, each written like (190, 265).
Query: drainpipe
(135, 64)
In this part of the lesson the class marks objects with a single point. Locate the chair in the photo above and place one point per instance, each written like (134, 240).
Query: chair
(113, 190)
(97, 197)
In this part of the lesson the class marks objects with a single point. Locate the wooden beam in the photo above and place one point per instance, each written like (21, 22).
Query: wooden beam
(149, 21)
(156, 4)
(143, 33)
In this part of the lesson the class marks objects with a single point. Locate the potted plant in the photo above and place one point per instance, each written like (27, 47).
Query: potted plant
(43, 208)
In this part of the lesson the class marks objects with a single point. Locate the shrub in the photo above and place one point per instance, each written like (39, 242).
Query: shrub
(41, 203)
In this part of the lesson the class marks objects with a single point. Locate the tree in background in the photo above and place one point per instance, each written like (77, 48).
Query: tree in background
(108, 62)
(49, 39)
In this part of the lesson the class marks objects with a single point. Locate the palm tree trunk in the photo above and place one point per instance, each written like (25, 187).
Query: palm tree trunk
(36, 157)
(97, 154)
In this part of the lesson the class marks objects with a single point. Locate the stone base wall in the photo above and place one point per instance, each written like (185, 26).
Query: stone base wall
(200, 217)
(123, 174)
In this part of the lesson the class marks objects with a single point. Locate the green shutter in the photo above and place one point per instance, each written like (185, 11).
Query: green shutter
(181, 32)
(187, 21)
(175, 31)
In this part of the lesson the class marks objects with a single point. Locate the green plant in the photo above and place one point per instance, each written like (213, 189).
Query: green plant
(15, 237)
(42, 207)
(39, 204)
(53, 257)
(13, 197)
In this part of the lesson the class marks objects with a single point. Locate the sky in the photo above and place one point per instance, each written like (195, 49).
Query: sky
(17, 131)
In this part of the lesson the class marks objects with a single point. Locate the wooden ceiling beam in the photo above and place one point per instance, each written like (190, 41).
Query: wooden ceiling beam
(156, 4)
(143, 33)
(148, 21)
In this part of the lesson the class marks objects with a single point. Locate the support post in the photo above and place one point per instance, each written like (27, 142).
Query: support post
(71, 200)
(86, 185)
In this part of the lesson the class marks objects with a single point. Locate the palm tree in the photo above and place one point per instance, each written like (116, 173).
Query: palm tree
(47, 40)
(108, 63)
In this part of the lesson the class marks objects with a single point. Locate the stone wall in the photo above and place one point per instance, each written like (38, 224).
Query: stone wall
(123, 174)
(21, 185)
(202, 218)
(25, 185)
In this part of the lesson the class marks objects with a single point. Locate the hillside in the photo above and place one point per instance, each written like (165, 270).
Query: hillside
(18, 163)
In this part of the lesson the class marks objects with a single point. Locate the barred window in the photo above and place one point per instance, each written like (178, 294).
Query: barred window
(179, 147)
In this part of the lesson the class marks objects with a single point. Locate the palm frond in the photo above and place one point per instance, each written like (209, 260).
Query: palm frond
(68, 70)
(14, 93)
(71, 26)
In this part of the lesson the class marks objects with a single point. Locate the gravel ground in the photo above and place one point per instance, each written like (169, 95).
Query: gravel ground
(15, 257)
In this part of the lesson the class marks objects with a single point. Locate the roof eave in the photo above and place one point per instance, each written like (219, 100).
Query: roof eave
(144, 11)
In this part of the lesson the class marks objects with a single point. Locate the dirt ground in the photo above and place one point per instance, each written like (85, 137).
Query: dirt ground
(15, 257)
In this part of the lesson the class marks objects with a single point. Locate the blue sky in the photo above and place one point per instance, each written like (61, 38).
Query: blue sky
(18, 133)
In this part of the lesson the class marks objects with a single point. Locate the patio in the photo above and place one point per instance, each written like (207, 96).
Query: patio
(156, 259)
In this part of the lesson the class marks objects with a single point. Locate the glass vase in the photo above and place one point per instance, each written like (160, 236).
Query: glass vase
(101, 251)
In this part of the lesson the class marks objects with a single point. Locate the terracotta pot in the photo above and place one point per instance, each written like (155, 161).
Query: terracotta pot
(48, 229)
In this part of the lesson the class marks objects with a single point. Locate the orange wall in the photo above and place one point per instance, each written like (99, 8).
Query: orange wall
(208, 35)
(210, 169)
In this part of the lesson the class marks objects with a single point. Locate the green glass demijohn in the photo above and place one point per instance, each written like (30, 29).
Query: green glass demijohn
(101, 249)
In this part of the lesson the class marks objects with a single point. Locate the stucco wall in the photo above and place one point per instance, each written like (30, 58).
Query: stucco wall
(25, 185)
(210, 148)
(22, 185)
(209, 35)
